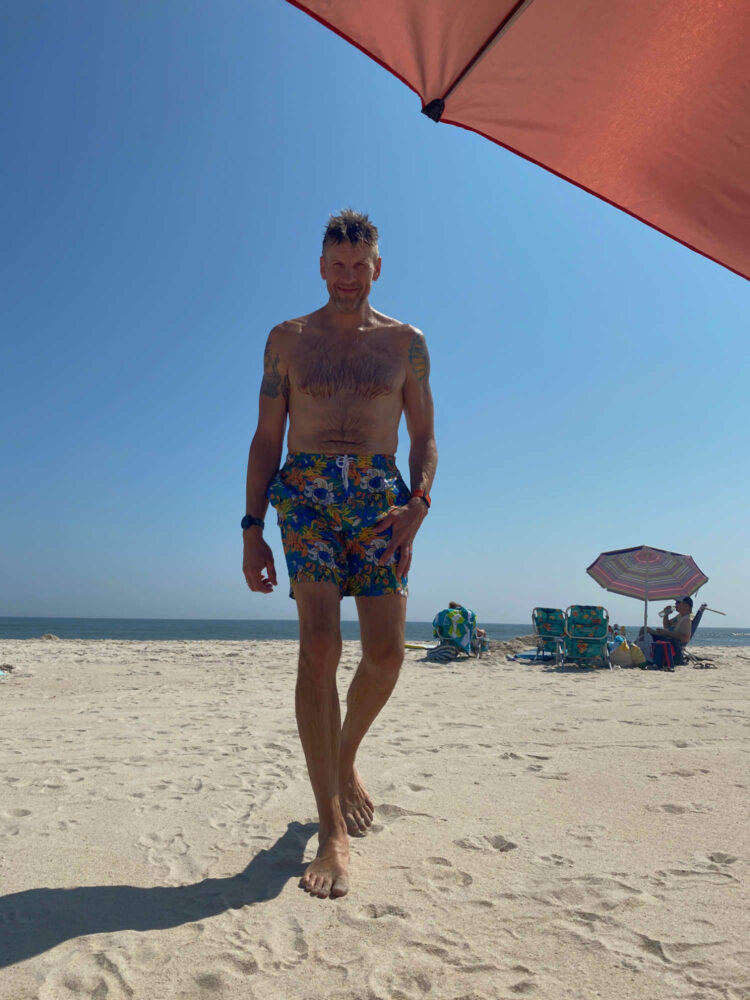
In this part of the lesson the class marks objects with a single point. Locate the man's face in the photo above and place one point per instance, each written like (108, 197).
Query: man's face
(681, 607)
(349, 271)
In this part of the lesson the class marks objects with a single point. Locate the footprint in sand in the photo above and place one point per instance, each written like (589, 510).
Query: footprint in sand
(588, 835)
(85, 973)
(678, 809)
(438, 874)
(388, 813)
(486, 843)
(283, 946)
(720, 858)
(375, 911)
(685, 773)
(556, 859)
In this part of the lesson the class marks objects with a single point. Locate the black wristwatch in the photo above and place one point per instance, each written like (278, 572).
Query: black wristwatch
(248, 521)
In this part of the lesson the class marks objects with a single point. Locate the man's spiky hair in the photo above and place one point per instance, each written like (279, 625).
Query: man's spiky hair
(352, 226)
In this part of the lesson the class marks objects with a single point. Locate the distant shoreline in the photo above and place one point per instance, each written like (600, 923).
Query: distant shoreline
(243, 630)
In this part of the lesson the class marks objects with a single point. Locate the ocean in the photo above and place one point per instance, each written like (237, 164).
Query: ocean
(142, 629)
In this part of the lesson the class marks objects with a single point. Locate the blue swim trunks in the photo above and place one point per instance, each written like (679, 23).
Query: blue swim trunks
(328, 508)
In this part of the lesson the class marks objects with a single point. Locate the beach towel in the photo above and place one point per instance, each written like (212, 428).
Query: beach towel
(457, 626)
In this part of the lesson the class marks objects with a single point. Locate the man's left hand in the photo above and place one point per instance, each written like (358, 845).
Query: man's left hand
(405, 522)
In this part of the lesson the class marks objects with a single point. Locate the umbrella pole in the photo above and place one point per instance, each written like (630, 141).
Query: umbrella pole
(645, 614)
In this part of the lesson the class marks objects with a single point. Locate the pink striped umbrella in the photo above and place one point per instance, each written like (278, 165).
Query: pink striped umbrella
(648, 574)
(644, 104)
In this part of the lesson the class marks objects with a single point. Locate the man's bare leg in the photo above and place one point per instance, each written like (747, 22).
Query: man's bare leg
(319, 723)
(382, 623)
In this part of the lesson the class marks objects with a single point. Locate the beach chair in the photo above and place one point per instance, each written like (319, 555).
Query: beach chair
(586, 635)
(549, 629)
(683, 656)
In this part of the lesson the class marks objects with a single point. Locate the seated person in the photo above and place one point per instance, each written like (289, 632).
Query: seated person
(456, 625)
(676, 630)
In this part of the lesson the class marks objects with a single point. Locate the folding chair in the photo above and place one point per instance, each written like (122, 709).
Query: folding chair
(684, 656)
(549, 629)
(586, 634)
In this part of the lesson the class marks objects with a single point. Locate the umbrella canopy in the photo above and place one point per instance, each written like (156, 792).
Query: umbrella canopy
(643, 104)
(648, 574)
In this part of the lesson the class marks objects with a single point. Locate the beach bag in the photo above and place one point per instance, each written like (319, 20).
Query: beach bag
(620, 655)
(662, 655)
(636, 656)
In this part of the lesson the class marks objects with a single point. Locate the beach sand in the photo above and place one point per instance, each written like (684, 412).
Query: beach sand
(539, 833)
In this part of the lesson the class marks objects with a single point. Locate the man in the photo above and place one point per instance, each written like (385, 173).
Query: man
(676, 630)
(342, 376)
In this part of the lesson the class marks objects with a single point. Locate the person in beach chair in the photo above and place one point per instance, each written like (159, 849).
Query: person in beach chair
(456, 629)
(679, 629)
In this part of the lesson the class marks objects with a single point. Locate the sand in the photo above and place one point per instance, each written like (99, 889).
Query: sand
(538, 833)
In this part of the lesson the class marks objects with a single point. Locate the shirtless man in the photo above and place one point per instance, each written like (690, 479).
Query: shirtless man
(342, 376)
(678, 630)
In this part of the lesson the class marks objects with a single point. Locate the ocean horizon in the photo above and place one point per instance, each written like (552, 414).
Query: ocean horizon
(242, 629)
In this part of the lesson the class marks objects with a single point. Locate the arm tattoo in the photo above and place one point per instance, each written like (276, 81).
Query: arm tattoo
(273, 383)
(418, 358)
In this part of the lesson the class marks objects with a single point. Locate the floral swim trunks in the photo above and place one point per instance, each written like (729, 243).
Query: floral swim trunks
(329, 507)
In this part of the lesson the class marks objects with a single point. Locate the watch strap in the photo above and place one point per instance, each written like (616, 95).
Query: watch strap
(424, 496)
(248, 521)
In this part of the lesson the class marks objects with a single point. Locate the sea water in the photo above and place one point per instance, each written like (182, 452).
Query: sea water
(142, 629)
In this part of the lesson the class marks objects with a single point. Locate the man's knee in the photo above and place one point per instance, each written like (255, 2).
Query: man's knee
(383, 660)
(319, 654)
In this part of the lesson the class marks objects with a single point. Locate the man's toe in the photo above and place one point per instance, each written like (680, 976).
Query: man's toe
(340, 887)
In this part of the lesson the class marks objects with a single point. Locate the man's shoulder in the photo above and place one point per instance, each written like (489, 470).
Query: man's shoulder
(288, 331)
(398, 328)
(295, 325)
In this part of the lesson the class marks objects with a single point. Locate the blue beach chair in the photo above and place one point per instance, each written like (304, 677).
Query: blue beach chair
(586, 635)
(549, 629)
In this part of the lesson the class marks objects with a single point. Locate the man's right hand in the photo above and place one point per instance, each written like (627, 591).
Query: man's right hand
(256, 558)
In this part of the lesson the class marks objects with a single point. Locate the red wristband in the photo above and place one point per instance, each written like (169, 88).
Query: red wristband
(422, 496)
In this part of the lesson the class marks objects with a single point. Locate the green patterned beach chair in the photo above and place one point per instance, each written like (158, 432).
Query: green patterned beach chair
(549, 629)
(586, 635)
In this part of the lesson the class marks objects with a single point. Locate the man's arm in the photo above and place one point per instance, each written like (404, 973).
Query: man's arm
(681, 633)
(666, 622)
(420, 423)
(263, 463)
(420, 416)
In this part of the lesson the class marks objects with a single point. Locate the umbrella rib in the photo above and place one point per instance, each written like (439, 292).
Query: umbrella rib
(434, 109)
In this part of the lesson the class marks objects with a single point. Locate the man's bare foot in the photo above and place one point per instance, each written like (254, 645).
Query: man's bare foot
(356, 805)
(327, 874)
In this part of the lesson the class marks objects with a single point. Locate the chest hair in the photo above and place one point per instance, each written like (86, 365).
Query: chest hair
(365, 372)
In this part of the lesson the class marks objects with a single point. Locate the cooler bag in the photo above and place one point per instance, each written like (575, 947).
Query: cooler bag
(662, 654)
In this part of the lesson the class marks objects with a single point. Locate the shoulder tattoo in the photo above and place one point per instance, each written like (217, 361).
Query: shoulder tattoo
(273, 384)
(419, 359)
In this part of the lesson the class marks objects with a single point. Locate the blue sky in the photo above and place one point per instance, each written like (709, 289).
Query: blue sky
(167, 172)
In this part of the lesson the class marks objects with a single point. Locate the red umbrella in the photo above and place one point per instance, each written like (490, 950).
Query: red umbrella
(648, 574)
(644, 104)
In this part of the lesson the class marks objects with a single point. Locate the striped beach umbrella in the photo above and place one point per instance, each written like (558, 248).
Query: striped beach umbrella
(648, 574)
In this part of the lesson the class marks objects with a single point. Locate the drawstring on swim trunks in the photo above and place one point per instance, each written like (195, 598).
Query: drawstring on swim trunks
(343, 463)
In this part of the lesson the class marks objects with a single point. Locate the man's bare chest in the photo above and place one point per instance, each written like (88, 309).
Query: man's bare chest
(362, 370)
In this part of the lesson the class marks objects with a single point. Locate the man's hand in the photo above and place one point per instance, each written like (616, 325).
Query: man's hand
(405, 522)
(257, 557)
